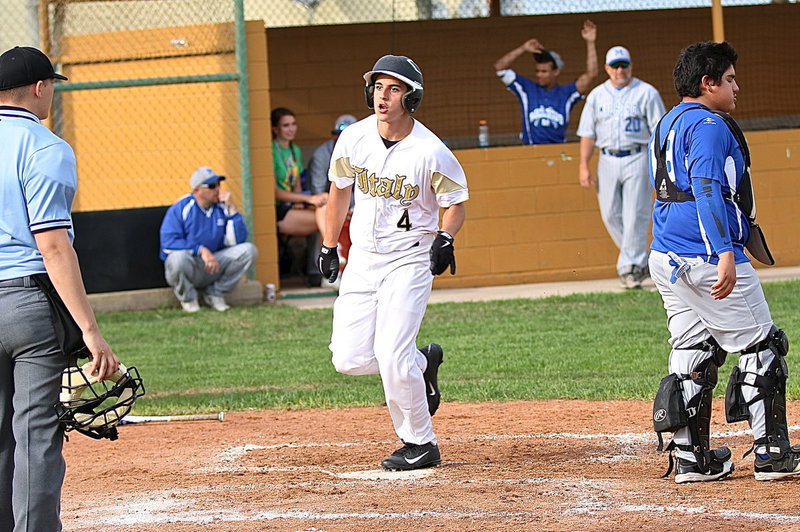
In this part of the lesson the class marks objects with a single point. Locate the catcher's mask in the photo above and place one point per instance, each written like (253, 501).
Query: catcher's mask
(95, 408)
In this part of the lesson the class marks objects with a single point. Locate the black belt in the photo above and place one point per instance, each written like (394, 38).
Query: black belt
(19, 282)
(621, 153)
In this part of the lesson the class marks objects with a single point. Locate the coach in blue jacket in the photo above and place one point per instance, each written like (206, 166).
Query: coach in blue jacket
(203, 243)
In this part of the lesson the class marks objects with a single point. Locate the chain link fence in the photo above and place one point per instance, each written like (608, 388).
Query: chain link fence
(154, 86)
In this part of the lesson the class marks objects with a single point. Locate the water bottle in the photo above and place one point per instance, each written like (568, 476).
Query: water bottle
(483, 134)
(269, 294)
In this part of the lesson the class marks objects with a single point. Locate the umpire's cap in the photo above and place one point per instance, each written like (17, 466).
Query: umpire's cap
(24, 65)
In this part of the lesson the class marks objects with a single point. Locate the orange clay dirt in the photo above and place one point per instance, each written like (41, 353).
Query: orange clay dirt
(540, 465)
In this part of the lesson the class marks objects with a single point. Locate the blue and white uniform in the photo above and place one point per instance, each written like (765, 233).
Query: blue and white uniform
(186, 228)
(705, 161)
(37, 185)
(545, 112)
(621, 121)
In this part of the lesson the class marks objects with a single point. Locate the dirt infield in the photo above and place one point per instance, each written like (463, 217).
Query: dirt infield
(542, 465)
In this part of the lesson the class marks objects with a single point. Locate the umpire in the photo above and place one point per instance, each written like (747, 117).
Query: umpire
(37, 184)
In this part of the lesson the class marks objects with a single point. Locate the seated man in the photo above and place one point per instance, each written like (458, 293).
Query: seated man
(203, 243)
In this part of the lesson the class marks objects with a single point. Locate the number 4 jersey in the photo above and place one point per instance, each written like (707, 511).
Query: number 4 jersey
(398, 190)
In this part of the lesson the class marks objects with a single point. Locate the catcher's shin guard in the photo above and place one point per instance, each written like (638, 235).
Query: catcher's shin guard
(698, 408)
(771, 390)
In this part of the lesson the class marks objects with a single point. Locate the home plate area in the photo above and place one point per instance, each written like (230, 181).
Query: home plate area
(541, 465)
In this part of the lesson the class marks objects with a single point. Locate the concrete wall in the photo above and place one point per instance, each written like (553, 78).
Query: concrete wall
(528, 219)
(316, 71)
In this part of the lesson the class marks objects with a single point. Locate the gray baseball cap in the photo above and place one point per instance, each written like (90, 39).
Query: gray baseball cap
(546, 56)
(204, 176)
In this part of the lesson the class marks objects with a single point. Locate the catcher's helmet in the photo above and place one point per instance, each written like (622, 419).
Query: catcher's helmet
(95, 408)
(402, 68)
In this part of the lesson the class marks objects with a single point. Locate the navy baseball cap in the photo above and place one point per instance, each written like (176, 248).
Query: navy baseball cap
(24, 65)
(204, 176)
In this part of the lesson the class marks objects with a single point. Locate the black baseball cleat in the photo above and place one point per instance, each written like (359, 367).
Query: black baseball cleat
(411, 456)
(770, 468)
(719, 468)
(435, 356)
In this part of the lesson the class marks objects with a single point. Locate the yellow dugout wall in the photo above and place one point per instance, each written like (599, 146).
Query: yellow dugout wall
(528, 219)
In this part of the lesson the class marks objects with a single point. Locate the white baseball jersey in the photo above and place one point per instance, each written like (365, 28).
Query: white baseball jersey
(398, 191)
(621, 119)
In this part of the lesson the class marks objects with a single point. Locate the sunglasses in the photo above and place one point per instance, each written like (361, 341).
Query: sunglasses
(212, 186)
(620, 64)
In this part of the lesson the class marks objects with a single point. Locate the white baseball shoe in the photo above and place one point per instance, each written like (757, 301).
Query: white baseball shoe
(216, 302)
(190, 306)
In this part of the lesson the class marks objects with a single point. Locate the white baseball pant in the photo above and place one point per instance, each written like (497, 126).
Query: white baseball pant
(736, 322)
(625, 198)
(376, 319)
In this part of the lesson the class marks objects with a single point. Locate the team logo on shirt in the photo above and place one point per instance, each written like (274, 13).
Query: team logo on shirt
(384, 187)
(546, 117)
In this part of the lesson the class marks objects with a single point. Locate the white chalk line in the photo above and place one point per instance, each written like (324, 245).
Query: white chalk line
(630, 439)
(594, 498)
(234, 453)
(166, 508)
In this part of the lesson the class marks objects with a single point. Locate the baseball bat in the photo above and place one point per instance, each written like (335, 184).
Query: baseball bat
(129, 420)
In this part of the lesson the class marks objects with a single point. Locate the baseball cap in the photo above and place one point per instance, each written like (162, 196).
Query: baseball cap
(24, 65)
(342, 122)
(546, 56)
(204, 176)
(616, 54)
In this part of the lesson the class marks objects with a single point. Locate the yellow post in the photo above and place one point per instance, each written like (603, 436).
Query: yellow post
(717, 22)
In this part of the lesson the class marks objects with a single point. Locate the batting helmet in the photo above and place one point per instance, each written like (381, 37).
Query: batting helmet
(402, 68)
(95, 408)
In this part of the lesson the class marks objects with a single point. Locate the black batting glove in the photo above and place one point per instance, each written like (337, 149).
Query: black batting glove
(328, 263)
(442, 254)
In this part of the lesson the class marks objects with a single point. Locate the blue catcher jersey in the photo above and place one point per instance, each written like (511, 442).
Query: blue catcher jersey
(699, 145)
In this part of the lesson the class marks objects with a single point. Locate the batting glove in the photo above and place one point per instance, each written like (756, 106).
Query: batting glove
(442, 254)
(328, 263)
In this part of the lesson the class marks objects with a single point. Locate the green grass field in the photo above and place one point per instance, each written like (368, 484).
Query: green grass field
(589, 346)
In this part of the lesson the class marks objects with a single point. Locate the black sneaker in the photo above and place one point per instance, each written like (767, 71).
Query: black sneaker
(720, 467)
(435, 356)
(775, 468)
(411, 456)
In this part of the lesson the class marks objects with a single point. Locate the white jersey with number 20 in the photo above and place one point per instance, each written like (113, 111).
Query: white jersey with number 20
(398, 190)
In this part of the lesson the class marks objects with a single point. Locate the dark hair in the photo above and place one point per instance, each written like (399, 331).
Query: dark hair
(278, 113)
(706, 58)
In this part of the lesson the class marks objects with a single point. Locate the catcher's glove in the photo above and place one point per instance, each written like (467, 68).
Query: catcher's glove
(328, 263)
(442, 254)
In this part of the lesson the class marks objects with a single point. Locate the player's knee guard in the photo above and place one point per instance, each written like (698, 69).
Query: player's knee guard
(771, 388)
(671, 412)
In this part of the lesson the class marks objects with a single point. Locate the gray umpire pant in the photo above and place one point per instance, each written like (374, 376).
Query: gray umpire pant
(626, 204)
(186, 273)
(31, 363)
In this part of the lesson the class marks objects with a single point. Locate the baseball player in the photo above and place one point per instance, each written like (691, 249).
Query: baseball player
(546, 105)
(699, 168)
(401, 175)
(618, 117)
(37, 184)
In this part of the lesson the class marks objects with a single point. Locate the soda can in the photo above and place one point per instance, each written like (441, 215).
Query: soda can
(270, 293)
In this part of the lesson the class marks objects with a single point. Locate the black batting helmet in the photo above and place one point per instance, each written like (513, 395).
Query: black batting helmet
(402, 68)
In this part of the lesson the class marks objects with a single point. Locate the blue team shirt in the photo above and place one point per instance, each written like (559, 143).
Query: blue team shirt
(37, 185)
(545, 113)
(700, 145)
(187, 226)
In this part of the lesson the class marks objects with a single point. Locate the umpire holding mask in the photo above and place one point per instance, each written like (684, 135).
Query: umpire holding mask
(37, 185)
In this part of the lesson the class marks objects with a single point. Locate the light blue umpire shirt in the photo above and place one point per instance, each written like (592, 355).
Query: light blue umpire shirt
(38, 179)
